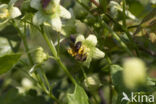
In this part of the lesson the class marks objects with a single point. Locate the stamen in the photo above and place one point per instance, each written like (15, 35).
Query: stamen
(45, 3)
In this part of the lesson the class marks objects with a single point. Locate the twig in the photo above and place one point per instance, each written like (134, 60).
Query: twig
(24, 43)
(55, 54)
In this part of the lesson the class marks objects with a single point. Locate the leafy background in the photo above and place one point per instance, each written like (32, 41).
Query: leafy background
(14, 61)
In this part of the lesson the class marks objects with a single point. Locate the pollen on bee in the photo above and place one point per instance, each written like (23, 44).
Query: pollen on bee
(70, 51)
(81, 50)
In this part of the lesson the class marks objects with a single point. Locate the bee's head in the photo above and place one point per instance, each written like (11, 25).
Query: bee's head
(72, 38)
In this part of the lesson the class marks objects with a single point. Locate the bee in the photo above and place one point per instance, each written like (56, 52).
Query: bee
(76, 49)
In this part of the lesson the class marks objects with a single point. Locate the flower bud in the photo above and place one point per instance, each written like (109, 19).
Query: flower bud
(40, 56)
(92, 82)
(26, 83)
(134, 72)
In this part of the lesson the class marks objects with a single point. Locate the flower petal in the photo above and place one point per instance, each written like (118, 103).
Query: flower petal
(64, 13)
(38, 18)
(56, 2)
(15, 12)
(80, 37)
(3, 6)
(36, 4)
(87, 62)
(97, 54)
(2, 23)
(92, 39)
(56, 23)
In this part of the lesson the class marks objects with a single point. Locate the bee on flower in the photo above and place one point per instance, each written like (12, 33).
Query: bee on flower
(77, 50)
(85, 50)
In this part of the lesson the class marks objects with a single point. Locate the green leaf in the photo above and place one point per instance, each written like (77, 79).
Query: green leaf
(116, 73)
(78, 97)
(11, 96)
(104, 4)
(154, 6)
(4, 1)
(10, 33)
(8, 61)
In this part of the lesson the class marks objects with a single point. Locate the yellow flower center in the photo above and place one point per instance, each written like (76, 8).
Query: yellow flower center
(86, 49)
(4, 13)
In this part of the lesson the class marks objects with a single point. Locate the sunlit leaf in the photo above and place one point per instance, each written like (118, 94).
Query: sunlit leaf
(78, 97)
(117, 79)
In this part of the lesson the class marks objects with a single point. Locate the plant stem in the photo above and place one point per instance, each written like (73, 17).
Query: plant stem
(58, 46)
(83, 5)
(42, 73)
(124, 13)
(54, 52)
(117, 38)
(53, 97)
(43, 82)
(24, 43)
(67, 72)
(110, 89)
(127, 33)
(110, 82)
(92, 93)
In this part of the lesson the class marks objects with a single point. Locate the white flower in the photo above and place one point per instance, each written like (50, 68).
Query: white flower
(134, 72)
(49, 11)
(90, 49)
(117, 7)
(8, 12)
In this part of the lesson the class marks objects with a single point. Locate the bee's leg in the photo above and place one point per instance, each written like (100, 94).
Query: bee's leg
(78, 57)
(84, 57)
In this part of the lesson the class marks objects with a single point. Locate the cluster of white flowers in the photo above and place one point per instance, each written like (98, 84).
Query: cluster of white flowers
(49, 11)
